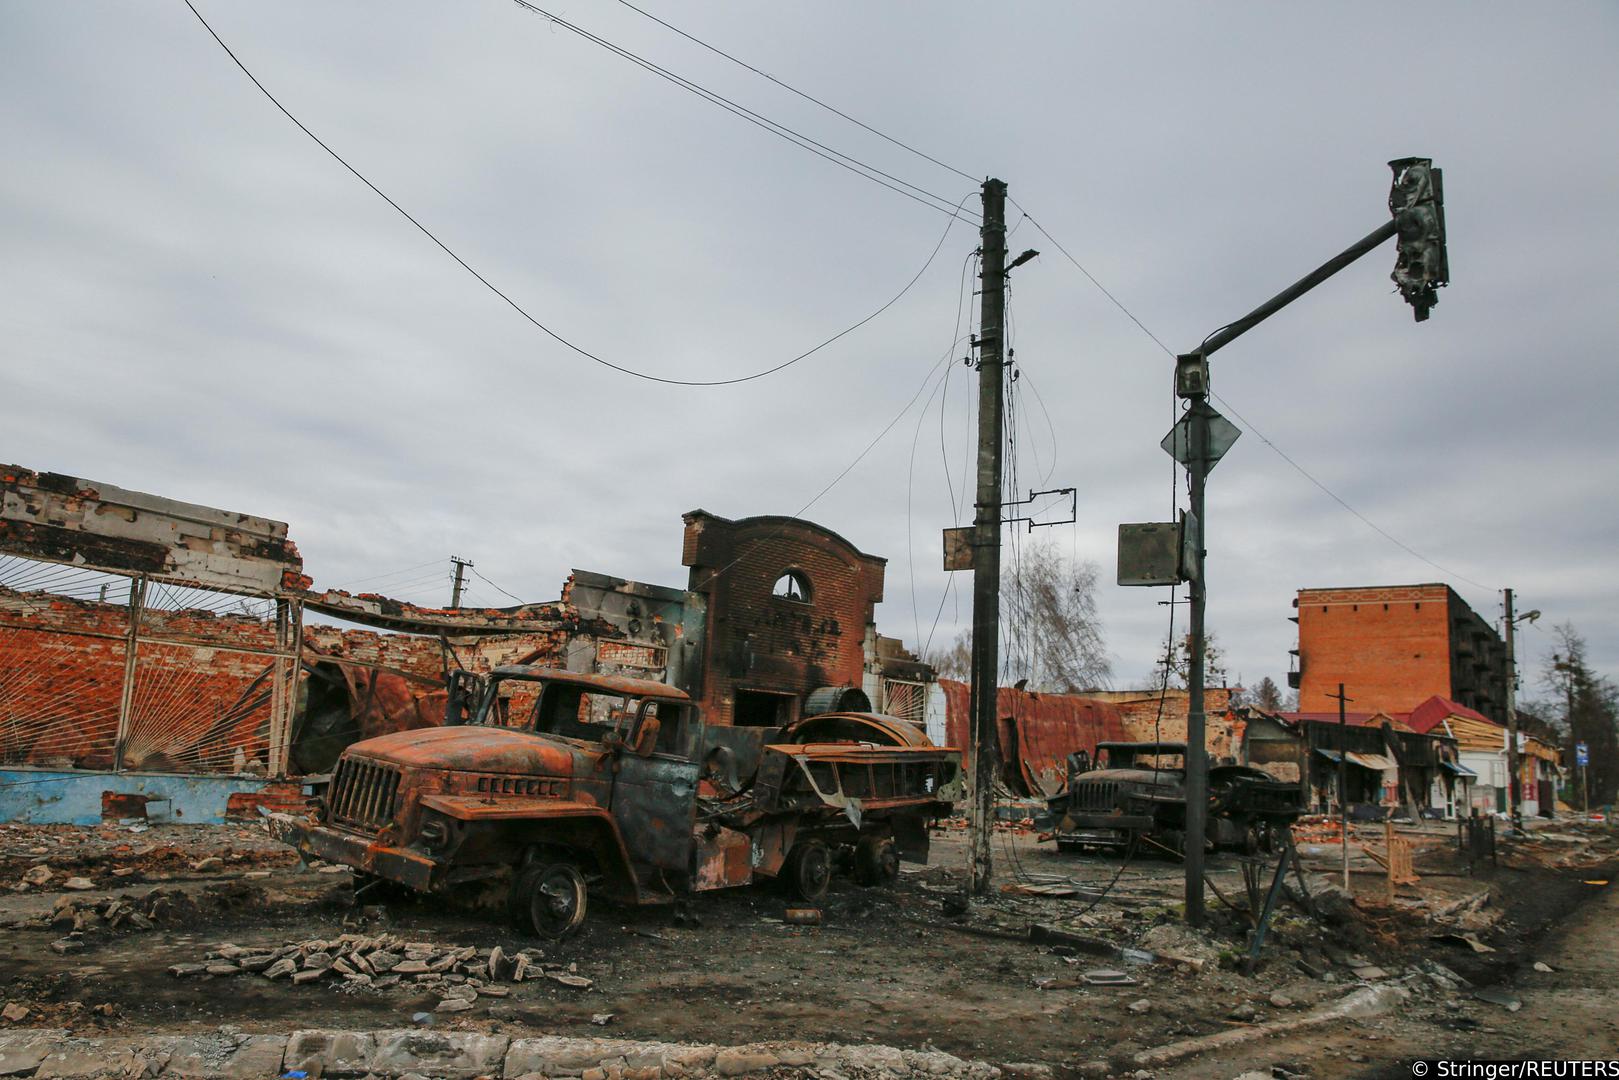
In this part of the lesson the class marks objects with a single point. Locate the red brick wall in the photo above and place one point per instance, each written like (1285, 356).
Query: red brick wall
(757, 641)
(199, 707)
(1388, 645)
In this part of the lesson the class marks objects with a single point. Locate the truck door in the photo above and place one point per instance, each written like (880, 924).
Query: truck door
(654, 797)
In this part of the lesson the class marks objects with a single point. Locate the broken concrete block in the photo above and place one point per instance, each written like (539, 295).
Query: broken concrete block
(459, 1054)
(308, 975)
(208, 864)
(79, 884)
(14, 1012)
(383, 961)
(330, 1053)
(39, 875)
(281, 968)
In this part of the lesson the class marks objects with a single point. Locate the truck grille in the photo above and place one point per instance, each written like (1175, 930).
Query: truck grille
(1098, 796)
(362, 793)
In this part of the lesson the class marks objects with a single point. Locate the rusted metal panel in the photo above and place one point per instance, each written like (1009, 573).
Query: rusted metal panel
(64, 519)
(1036, 732)
(385, 613)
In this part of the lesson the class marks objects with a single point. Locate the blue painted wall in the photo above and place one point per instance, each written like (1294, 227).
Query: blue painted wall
(67, 797)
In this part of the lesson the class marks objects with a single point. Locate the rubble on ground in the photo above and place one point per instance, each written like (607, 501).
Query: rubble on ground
(460, 975)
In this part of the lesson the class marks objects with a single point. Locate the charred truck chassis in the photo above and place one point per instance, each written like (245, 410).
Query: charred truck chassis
(1126, 801)
(557, 786)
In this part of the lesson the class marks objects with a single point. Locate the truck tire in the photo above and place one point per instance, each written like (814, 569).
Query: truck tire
(548, 900)
(808, 871)
(876, 861)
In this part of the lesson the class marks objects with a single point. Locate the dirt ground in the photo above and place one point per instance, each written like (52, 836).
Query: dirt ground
(902, 966)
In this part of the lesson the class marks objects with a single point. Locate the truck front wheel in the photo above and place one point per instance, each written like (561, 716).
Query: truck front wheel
(548, 900)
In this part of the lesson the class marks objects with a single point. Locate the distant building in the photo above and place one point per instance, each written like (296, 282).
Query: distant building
(1393, 646)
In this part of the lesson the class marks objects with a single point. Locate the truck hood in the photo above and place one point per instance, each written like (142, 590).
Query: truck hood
(470, 749)
(1137, 776)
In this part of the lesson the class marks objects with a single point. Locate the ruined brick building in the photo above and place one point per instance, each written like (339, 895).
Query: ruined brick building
(1394, 646)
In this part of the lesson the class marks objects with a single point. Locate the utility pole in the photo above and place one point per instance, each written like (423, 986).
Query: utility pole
(987, 528)
(1514, 794)
(1343, 781)
(460, 565)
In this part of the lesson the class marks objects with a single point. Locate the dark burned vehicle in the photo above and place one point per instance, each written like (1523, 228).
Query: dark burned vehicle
(555, 786)
(1137, 791)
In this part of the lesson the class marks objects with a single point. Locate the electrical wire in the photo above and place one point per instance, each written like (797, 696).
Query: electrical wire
(819, 149)
(497, 588)
(513, 304)
(794, 90)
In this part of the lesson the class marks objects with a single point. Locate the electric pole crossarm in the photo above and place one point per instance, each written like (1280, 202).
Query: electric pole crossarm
(1231, 332)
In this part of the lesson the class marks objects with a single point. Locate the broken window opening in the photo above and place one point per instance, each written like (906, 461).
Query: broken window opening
(792, 585)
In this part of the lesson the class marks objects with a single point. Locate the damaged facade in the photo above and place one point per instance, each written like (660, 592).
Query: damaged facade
(206, 650)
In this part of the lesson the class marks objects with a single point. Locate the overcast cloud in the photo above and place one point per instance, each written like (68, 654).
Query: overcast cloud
(198, 302)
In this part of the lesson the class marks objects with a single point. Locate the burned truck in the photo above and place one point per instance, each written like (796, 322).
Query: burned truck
(1136, 792)
(554, 787)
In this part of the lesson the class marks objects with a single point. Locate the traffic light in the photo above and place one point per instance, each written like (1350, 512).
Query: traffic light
(1417, 201)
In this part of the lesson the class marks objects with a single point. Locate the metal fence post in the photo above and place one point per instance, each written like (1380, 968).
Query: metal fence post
(126, 697)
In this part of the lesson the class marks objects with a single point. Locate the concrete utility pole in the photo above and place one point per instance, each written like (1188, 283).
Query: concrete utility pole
(460, 565)
(987, 529)
(1514, 795)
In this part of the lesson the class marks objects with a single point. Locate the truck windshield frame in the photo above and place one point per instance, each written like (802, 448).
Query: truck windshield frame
(565, 711)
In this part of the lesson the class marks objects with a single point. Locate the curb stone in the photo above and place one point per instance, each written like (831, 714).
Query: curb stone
(43, 1054)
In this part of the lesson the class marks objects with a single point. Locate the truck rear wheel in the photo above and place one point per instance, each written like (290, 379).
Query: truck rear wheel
(808, 871)
(548, 900)
(876, 861)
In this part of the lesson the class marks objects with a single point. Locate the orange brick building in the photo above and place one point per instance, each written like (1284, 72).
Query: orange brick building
(1393, 646)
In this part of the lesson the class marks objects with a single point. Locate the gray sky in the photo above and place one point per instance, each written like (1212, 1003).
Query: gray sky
(198, 302)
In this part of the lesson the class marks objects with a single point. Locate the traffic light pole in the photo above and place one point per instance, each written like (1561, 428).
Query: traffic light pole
(1416, 210)
(987, 532)
(1197, 772)
(1514, 790)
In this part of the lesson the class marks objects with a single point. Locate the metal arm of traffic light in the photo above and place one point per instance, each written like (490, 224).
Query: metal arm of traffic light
(1232, 331)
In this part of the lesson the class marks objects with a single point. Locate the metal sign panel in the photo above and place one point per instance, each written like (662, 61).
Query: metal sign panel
(1582, 754)
(1222, 434)
(1150, 553)
(62, 519)
(958, 548)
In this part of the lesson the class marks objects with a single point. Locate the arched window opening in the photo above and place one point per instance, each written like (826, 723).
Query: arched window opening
(792, 585)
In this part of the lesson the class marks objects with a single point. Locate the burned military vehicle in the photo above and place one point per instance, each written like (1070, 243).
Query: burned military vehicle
(1137, 792)
(557, 786)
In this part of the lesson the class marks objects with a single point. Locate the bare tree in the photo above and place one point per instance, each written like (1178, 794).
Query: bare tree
(1177, 655)
(1050, 630)
(1267, 695)
(954, 662)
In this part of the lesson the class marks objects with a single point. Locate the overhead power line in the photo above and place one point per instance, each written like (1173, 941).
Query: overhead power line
(795, 90)
(797, 138)
(515, 306)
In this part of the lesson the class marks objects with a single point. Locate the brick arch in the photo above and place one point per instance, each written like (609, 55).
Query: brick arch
(764, 644)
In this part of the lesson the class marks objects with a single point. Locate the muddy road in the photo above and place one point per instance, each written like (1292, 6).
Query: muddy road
(901, 966)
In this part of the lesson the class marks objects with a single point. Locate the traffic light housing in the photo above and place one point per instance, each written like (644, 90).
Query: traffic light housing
(1417, 201)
